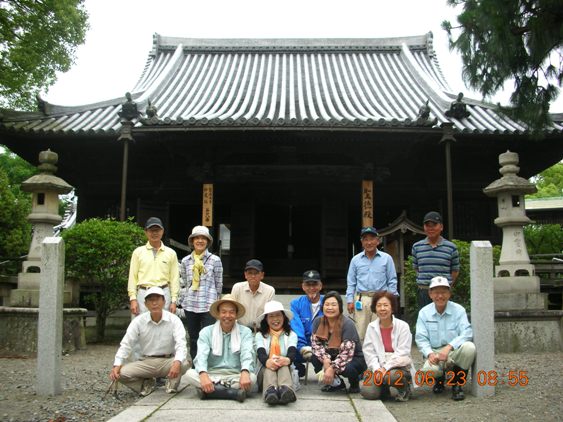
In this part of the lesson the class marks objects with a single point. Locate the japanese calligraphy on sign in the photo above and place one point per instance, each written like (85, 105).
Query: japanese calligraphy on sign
(207, 212)
(367, 203)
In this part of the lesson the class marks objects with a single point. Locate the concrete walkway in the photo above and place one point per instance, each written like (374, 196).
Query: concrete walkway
(312, 405)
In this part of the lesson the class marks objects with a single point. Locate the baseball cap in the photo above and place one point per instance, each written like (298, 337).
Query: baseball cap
(155, 291)
(369, 230)
(254, 264)
(311, 276)
(439, 281)
(432, 216)
(154, 221)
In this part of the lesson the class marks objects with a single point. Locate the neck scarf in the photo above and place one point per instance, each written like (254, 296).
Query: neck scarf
(217, 339)
(275, 348)
(198, 270)
(334, 339)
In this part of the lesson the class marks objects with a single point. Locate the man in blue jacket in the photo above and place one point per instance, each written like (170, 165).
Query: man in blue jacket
(305, 309)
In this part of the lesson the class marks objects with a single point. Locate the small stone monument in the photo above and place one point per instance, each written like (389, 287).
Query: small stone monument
(45, 189)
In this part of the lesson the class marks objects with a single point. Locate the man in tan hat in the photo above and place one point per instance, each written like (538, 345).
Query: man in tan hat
(153, 265)
(444, 337)
(224, 365)
(161, 338)
(252, 293)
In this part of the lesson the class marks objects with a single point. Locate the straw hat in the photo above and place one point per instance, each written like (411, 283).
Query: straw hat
(214, 309)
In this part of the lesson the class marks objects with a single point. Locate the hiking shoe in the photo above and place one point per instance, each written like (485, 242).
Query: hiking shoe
(404, 393)
(333, 388)
(169, 386)
(286, 395)
(457, 393)
(271, 396)
(148, 386)
(438, 386)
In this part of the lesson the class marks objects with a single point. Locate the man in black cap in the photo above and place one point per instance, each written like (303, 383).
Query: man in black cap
(153, 265)
(370, 271)
(433, 256)
(252, 293)
(305, 309)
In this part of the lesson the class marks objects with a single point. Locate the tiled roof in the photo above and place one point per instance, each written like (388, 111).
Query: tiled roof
(282, 83)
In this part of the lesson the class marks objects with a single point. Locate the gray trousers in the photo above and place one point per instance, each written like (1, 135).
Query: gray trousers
(268, 378)
(462, 357)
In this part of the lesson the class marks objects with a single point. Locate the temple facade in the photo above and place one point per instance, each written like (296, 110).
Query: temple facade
(285, 148)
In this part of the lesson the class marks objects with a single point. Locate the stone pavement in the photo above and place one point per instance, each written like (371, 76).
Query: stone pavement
(312, 405)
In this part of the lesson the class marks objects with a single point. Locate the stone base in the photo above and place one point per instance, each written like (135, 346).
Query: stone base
(520, 301)
(18, 330)
(27, 298)
(528, 331)
(525, 284)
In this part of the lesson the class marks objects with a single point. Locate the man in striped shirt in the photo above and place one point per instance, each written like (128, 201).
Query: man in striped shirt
(433, 256)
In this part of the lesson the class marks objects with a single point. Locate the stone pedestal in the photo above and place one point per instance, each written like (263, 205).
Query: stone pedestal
(528, 331)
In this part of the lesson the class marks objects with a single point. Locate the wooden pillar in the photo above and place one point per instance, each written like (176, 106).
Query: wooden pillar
(125, 136)
(447, 140)
(207, 209)
(367, 203)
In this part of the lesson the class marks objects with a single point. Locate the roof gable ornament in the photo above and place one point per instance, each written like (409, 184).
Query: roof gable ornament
(129, 109)
(458, 109)
(423, 117)
(151, 112)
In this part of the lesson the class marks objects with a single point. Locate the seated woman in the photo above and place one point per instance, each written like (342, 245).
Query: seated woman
(276, 347)
(337, 349)
(387, 350)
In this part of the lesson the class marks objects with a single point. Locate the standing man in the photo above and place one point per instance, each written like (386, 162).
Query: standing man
(433, 256)
(153, 265)
(161, 338)
(252, 293)
(370, 271)
(305, 309)
(224, 365)
(444, 337)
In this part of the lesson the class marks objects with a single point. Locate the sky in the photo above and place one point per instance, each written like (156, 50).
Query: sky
(120, 35)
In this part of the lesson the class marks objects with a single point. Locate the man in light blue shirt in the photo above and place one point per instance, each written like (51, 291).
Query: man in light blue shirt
(443, 336)
(370, 271)
(224, 365)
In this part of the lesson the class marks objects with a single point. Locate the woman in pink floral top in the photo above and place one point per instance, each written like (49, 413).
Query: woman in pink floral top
(337, 349)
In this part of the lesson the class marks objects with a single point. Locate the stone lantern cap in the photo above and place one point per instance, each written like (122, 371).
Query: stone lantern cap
(46, 181)
(510, 181)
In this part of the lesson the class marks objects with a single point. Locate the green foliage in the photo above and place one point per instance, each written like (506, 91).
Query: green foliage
(549, 182)
(15, 231)
(99, 251)
(37, 39)
(501, 40)
(544, 238)
(17, 169)
(462, 289)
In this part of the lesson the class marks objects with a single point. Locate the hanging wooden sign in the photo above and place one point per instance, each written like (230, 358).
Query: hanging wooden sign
(367, 203)
(207, 212)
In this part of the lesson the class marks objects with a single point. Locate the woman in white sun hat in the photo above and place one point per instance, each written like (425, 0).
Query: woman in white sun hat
(204, 282)
(276, 348)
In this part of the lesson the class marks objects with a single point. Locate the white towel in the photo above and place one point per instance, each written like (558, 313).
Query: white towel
(217, 339)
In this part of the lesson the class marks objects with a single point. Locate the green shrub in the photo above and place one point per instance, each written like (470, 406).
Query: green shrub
(99, 251)
(462, 289)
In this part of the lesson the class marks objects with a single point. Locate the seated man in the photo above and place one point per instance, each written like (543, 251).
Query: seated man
(443, 336)
(161, 338)
(252, 293)
(305, 309)
(224, 365)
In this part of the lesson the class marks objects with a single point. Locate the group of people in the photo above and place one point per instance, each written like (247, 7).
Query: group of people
(248, 338)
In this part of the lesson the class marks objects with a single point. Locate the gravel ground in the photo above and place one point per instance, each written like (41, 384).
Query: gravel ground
(85, 381)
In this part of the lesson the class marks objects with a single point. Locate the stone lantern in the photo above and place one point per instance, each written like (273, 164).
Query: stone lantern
(45, 189)
(516, 286)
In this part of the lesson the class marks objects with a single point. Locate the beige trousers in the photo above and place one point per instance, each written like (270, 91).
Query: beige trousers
(133, 374)
(226, 377)
(268, 378)
(462, 357)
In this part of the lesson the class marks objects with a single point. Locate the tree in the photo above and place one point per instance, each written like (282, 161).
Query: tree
(37, 39)
(15, 231)
(98, 252)
(544, 238)
(16, 168)
(549, 182)
(504, 39)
